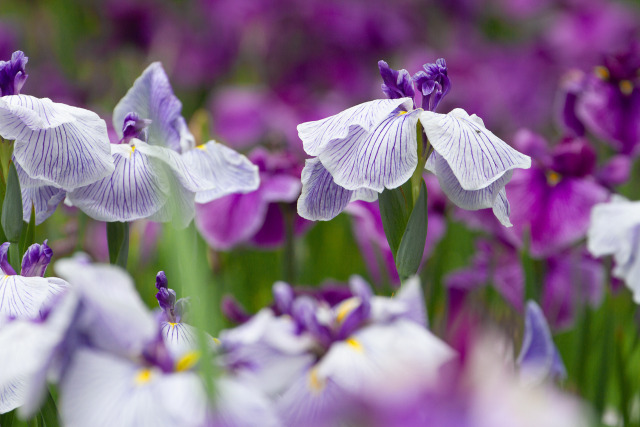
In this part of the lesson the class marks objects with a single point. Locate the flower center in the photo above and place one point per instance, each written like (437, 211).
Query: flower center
(553, 178)
(143, 376)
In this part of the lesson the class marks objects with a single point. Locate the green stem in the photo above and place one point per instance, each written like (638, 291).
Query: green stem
(118, 241)
(289, 247)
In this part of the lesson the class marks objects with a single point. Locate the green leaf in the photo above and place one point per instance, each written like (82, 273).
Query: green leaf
(395, 209)
(414, 238)
(12, 207)
(118, 241)
(28, 236)
(6, 420)
(49, 412)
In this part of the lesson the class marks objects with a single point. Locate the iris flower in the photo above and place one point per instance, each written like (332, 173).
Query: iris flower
(159, 170)
(372, 146)
(57, 147)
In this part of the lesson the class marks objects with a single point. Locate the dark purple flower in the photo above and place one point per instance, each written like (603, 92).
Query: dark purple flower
(433, 83)
(397, 83)
(36, 260)
(12, 74)
(166, 298)
(7, 269)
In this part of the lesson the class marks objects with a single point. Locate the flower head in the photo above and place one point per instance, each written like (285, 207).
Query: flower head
(433, 83)
(397, 84)
(13, 74)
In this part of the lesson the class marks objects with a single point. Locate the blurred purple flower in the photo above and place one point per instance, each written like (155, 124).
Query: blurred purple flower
(255, 217)
(13, 74)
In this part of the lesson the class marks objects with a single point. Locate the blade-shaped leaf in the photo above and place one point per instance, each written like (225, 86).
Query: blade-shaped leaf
(12, 207)
(118, 241)
(414, 237)
(395, 210)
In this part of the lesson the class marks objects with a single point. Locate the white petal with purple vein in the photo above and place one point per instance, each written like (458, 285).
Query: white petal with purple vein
(138, 188)
(322, 199)
(492, 196)
(352, 124)
(476, 156)
(386, 157)
(62, 145)
(151, 97)
(228, 171)
(44, 199)
(24, 297)
(12, 395)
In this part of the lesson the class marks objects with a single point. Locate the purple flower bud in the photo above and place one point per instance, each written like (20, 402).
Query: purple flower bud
(4, 262)
(283, 297)
(12, 74)
(166, 297)
(134, 127)
(36, 260)
(397, 83)
(433, 83)
(233, 310)
(615, 171)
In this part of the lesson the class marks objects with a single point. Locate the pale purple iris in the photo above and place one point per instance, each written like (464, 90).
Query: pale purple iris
(258, 217)
(159, 171)
(552, 200)
(372, 146)
(315, 358)
(57, 147)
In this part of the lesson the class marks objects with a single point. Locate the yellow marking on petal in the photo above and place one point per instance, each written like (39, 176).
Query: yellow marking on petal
(201, 147)
(133, 150)
(188, 361)
(553, 178)
(355, 344)
(626, 87)
(315, 383)
(143, 376)
(346, 307)
(602, 72)
(402, 112)
(216, 340)
(172, 324)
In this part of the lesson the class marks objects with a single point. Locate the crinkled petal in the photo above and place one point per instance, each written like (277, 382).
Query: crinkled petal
(102, 390)
(475, 155)
(138, 188)
(62, 145)
(44, 200)
(228, 170)
(493, 196)
(351, 124)
(151, 97)
(539, 358)
(322, 199)
(386, 157)
(25, 297)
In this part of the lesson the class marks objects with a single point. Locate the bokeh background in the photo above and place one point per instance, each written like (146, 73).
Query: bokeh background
(248, 71)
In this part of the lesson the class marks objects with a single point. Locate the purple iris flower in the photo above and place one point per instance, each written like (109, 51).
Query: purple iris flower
(607, 101)
(57, 147)
(256, 217)
(374, 247)
(572, 279)
(372, 146)
(161, 176)
(552, 200)
(314, 358)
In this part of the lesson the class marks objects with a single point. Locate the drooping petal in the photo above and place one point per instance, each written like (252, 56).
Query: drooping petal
(386, 157)
(25, 297)
(352, 124)
(539, 357)
(322, 199)
(151, 97)
(492, 196)
(44, 200)
(138, 188)
(228, 170)
(62, 145)
(12, 395)
(475, 155)
(100, 389)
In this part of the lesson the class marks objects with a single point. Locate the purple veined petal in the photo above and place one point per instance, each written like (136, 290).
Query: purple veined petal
(114, 317)
(138, 188)
(151, 97)
(181, 338)
(179, 208)
(100, 389)
(12, 395)
(492, 196)
(321, 198)
(475, 155)
(43, 199)
(30, 347)
(352, 124)
(62, 145)
(228, 170)
(36, 259)
(386, 157)
(25, 297)
(539, 358)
